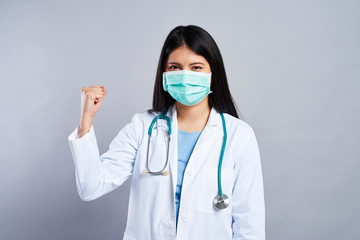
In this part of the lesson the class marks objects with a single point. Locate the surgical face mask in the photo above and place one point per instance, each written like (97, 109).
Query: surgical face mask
(187, 87)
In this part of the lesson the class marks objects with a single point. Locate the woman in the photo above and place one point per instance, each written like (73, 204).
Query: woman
(196, 170)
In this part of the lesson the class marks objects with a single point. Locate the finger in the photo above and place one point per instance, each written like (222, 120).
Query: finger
(94, 90)
(94, 95)
(104, 94)
(98, 92)
(99, 95)
(95, 87)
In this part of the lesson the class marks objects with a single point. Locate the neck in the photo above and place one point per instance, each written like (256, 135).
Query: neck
(193, 118)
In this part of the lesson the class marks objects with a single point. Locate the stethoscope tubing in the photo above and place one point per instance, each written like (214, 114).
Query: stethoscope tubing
(221, 200)
(167, 158)
(162, 116)
(222, 154)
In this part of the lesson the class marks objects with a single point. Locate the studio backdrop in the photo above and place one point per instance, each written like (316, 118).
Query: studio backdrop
(293, 71)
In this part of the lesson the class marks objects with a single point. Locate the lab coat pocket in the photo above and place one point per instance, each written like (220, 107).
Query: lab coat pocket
(209, 189)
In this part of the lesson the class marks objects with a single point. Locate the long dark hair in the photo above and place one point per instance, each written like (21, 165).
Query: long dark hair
(201, 42)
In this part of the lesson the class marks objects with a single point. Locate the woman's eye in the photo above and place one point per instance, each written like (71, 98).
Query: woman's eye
(197, 68)
(174, 67)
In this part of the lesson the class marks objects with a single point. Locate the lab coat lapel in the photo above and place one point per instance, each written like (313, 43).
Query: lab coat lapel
(173, 155)
(205, 140)
(173, 151)
(210, 132)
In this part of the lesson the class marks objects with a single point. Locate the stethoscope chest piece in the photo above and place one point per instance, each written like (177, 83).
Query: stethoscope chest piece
(221, 202)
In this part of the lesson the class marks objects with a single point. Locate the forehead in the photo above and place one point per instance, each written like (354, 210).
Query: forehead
(184, 54)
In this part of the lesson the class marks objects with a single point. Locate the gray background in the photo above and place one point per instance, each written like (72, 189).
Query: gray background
(293, 70)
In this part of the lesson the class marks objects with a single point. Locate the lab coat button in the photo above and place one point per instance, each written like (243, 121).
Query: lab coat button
(191, 171)
(185, 219)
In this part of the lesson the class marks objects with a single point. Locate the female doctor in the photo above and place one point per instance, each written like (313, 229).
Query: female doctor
(195, 167)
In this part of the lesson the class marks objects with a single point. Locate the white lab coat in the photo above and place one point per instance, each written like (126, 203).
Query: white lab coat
(151, 212)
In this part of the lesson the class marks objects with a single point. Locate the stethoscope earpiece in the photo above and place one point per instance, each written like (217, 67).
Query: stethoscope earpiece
(164, 173)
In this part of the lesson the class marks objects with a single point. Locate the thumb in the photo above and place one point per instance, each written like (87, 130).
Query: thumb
(99, 100)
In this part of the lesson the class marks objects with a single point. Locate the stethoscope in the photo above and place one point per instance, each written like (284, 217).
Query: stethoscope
(221, 201)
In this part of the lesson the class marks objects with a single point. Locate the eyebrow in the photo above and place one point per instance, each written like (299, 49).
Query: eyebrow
(190, 64)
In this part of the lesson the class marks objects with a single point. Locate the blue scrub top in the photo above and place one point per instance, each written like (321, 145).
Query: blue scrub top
(186, 144)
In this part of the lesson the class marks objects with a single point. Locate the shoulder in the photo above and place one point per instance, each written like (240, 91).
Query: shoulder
(240, 133)
(238, 127)
(138, 125)
(144, 118)
(243, 141)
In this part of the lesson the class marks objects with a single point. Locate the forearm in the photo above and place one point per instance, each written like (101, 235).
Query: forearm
(85, 125)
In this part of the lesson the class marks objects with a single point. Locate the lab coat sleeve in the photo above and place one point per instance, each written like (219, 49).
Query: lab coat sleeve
(97, 175)
(248, 204)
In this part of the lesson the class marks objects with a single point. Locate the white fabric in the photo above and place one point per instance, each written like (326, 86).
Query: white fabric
(151, 212)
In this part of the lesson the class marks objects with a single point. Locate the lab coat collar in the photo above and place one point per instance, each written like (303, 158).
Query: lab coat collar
(213, 120)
